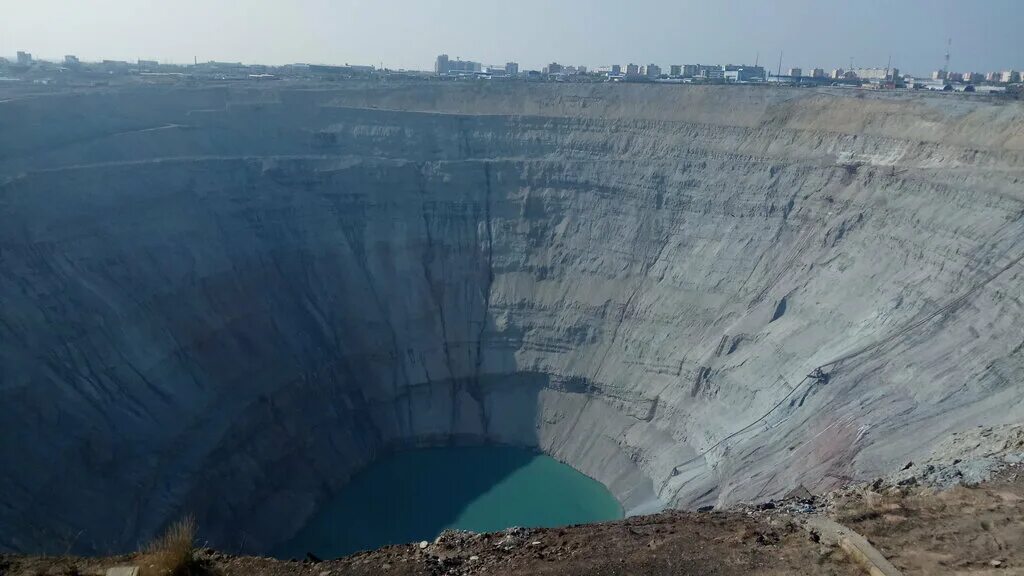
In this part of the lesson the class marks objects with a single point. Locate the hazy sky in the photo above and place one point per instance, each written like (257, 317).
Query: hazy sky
(987, 34)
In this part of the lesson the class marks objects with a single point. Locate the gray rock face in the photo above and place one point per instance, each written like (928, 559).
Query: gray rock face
(226, 301)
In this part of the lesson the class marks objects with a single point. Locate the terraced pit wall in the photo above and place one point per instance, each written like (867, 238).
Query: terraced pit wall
(227, 300)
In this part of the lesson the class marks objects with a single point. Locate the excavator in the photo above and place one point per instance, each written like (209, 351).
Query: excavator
(819, 376)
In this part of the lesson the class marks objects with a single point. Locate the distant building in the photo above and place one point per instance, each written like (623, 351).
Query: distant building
(24, 58)
(652, 71)
(328, 71)
(616, 69)
(795, 72)
(512, 68)
(119, 66)
(463, 67)
(994, 76)
(955, 77)
(877, 74)
(441, 65)
(939, 75)
(691, 70)
(368, 70)
(742, 73)
(632, 70)
(71, 60)
(818, 73)
(675, 70)
(323, 70)
(971, 77)
(751, 74)
(712, 72)
(838, 74)
(581, 69)
(1009, 76)
(209, 65)
(554, 68)
(148, 64)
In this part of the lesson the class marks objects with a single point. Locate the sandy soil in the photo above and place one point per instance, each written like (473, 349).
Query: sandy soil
(965, 530)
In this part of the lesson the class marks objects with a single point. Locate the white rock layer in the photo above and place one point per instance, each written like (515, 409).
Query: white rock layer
(226, 301)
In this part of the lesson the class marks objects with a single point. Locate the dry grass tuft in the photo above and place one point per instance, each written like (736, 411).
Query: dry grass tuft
(173, 554)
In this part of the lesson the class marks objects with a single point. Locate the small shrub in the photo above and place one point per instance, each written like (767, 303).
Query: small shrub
(173, 554)
(855, 516)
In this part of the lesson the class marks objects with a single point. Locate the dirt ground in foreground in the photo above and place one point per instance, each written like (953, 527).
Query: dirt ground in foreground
(975, 531)
(668, 543)
(966, 530)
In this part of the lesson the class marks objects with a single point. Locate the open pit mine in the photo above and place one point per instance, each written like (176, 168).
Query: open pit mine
(226, 301)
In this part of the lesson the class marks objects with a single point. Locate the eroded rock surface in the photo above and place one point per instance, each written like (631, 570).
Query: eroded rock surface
(225, 301)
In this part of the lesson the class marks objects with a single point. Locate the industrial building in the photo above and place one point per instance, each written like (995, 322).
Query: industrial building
(339, 71)
(464, 66)
(743, 73)
(444, 65)
(117, 65)
(712, 73)
(563, 70)
(877, 74)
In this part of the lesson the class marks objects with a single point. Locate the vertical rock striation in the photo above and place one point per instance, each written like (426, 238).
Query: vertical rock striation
(225, 301)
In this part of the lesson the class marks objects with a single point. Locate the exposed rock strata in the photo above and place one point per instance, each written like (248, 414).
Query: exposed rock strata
(227, 300)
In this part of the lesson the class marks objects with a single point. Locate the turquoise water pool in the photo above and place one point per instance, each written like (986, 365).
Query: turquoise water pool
(414, 495)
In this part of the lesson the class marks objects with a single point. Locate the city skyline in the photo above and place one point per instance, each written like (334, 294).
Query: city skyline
(409, 34)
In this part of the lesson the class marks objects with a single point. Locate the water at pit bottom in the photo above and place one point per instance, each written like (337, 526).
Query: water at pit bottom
(414, 495)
